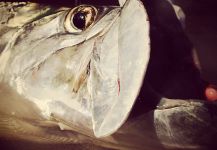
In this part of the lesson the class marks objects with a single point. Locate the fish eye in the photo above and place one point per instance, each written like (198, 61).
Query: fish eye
(80, 18)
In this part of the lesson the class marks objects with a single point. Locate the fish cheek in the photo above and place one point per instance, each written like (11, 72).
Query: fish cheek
(61, 69)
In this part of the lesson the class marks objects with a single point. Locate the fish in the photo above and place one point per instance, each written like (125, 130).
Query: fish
(81, 79)
(74, 75)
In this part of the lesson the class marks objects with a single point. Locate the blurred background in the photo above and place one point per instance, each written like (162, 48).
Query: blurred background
(201, 28)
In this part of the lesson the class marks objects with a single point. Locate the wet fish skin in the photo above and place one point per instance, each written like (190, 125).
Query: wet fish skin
(78, 76)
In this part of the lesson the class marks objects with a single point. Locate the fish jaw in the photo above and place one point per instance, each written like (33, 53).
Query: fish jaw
(110, 110)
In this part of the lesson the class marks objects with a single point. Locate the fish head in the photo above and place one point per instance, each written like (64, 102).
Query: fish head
(83, 65)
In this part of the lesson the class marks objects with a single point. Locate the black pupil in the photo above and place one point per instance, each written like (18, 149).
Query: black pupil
(79, 20)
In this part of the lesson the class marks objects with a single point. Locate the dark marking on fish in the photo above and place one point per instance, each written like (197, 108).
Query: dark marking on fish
(119, 86)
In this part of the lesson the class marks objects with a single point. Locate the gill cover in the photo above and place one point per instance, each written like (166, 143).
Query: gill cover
(118, 75)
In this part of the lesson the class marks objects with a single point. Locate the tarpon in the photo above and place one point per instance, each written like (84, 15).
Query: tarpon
(81, 69)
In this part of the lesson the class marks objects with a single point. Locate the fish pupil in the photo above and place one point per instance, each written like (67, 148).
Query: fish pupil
(79, 20)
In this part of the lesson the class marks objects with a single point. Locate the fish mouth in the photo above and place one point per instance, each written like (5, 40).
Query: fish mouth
(129, 72)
